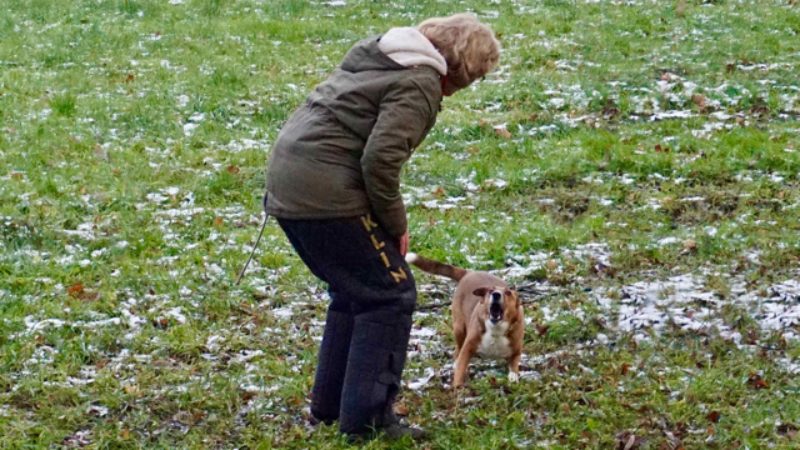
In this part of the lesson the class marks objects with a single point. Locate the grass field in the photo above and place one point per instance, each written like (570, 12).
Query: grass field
(633, 167)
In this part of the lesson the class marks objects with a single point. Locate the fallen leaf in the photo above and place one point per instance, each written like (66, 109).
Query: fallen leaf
(502, 132)
(713, 416)
(232, 169)
(756, 381)
(218, 221)
(401, 409)
(75, 290)
(541, 330)
(699, 100)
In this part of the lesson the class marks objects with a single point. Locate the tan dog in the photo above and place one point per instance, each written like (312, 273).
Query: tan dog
(487, 317)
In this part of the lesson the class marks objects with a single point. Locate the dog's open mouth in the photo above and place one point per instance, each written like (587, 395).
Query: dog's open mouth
(495, 312)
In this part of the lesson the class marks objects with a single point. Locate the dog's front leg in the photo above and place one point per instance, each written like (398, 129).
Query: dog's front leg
(462, 362)
(513, 367)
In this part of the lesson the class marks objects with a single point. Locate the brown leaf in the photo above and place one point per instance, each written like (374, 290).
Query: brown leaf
(542, 329)
(439, 192)
(624, 368)
(401, 409)
(130, 78)
(233, 170)
(75, 290)
(661, 149)
(218, 221)
(757, 382)
(699, 100)
(502, 132)
(713, 416)
(16, 176)
(690, 245)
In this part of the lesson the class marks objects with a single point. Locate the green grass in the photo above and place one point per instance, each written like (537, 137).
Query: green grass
(653, 146)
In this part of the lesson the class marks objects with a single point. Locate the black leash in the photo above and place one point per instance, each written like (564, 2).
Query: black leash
(258, 240)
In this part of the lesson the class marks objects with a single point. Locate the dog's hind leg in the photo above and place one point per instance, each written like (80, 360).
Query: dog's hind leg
(460, 333)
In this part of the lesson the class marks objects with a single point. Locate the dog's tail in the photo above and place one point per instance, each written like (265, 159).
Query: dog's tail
(436, 267)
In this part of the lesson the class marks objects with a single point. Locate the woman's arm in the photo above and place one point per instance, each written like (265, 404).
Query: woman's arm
(406, 114)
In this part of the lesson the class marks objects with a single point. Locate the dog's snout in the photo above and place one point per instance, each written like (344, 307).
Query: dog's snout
(496, 307)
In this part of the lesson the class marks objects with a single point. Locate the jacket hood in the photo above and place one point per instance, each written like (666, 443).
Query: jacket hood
(399, 48)
(409, 47)
(366, 55)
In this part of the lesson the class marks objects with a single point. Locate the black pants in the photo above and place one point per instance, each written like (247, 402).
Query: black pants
(373, 295)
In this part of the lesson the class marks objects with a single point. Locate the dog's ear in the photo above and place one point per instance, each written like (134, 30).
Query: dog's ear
(480, 292)
(510, 293)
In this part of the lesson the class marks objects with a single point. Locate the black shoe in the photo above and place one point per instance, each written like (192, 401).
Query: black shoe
(398, 431)
(393, 432)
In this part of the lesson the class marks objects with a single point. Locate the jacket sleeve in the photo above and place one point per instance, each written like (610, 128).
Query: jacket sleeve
(405, 116)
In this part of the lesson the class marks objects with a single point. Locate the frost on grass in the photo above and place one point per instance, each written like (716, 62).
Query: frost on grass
(684, 302)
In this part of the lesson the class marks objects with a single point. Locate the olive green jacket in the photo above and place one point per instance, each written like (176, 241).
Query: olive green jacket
(340, 154)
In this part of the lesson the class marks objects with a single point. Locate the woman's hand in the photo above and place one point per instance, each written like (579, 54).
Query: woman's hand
(402, 243)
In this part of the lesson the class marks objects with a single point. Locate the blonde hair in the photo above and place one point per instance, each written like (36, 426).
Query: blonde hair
(468, 46)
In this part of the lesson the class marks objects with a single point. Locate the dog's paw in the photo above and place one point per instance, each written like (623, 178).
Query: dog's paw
(513, 377)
